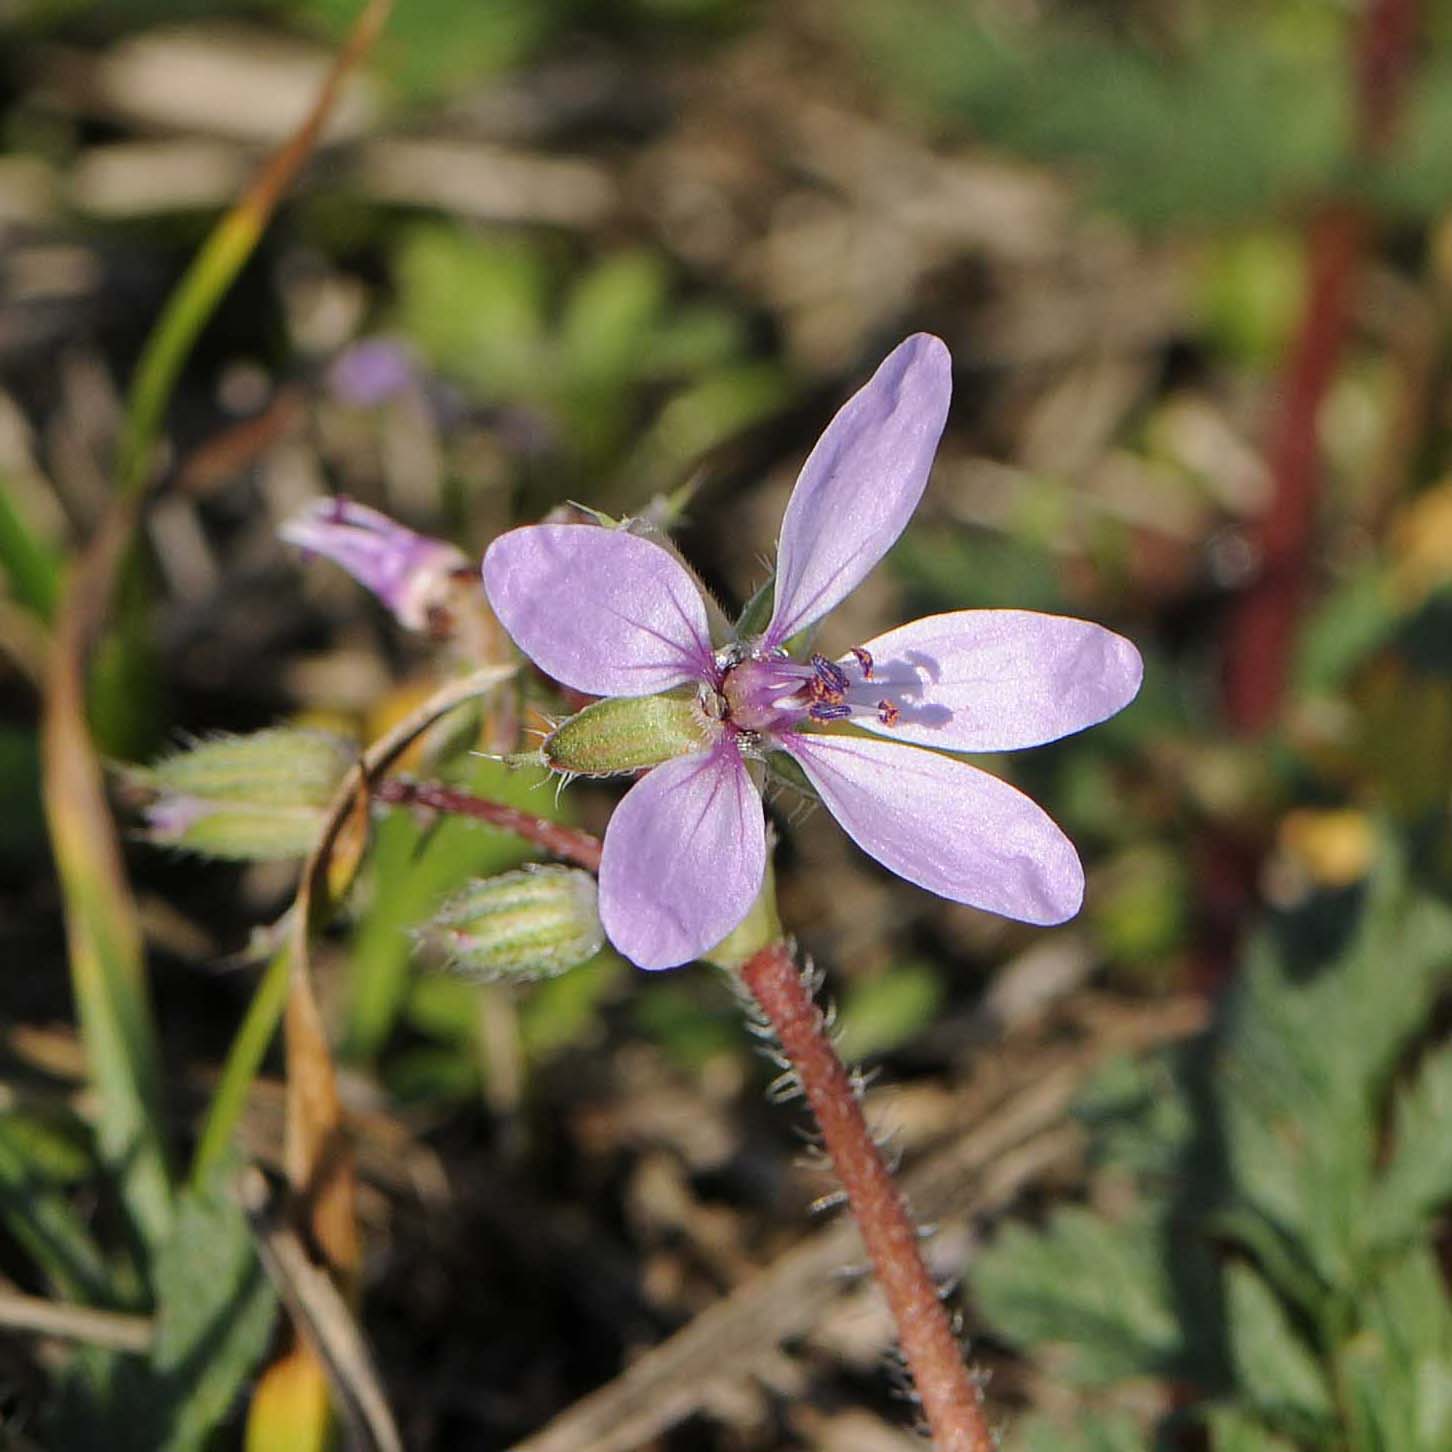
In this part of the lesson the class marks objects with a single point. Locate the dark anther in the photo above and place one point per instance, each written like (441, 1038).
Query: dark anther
(832, 676)
(864, 659)
(826, 711)
(888, 713)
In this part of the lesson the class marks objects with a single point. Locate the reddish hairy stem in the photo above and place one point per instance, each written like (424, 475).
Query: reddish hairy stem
(1263, 626)
(567, 843)
(950, 1398)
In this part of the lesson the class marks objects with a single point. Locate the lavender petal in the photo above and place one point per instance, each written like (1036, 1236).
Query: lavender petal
(600, 610)
(684, 858)
(407, 571)
(861, 483)
(994, 680)
(946, 826)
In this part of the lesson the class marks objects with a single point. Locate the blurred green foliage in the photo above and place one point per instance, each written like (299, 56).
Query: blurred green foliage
(1223, 115)
(438, 47)
(1261, 1232)
(1280, 1187)
(598, 357)
(882, 1013)
(214, 1308)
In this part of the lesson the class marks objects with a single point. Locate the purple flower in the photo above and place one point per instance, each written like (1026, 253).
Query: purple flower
(368, 373)
(614, 614)
(409, 572)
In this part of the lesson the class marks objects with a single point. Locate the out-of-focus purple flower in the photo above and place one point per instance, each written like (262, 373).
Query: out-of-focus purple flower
(614, 614)
(409, 572)
(371, 371)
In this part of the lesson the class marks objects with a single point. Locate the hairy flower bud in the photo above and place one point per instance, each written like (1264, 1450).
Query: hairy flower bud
(534, 923)
(244, 798)
(625, 733)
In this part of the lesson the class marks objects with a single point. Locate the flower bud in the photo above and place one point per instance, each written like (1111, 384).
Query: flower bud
(412, 574)
(244, 798)
(534, 923)
(625, 733)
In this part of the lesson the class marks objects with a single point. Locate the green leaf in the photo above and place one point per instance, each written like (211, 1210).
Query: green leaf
(477, 310)
(565, 1011)
(1395, 1374)
(1354, 618)
(1416, 175)
(435, 48)
(214, 1316)
(608, 317)
(45, 1224)
(1274, 1369)
(688, 340)
(1139, 1115)
(1233, 1430)
(705, 413)
(756, 613)
(1249, 294)
(1089, 1432)
(1314, 1031)
(215, 1311)
(30, 565)
(692, 1026)
(22, 822)
(878, 1014)
(1103, 1288)
(1239, 121)
(52, 1143)
(1417, 1181)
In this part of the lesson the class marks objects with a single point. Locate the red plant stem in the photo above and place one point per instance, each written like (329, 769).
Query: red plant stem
(567, 843)
(950, 1397)
(1263, 625)
(1383, 62)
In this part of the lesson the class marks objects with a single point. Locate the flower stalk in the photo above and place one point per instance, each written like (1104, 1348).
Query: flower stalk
(951, 1401)
(566, 843)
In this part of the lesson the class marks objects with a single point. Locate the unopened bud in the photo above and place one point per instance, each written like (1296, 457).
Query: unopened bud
(244, 798)
(412, 574)
(534, 923)
(625, 733)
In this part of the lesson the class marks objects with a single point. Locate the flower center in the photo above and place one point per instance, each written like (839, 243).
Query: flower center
(769, 693)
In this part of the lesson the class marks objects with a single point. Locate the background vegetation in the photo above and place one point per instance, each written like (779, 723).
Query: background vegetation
(1189, 1153)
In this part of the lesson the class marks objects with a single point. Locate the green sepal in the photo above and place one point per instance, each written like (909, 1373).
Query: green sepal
(255, 798)
(786, 770)
(284, 766)
(605, 521)
(521, 926)
(232, 833)
(626, 734)
(756, 613)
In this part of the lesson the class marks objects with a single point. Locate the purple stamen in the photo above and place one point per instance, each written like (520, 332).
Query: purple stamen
(763, 693)
(831, 675)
